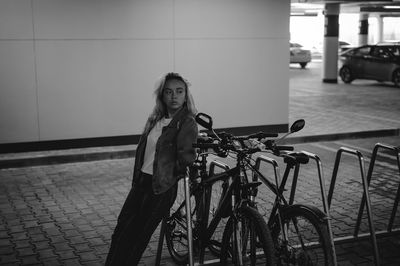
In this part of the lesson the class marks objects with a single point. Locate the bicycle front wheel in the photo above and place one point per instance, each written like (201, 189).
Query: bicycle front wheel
(247, 240)
(176, 226)
(307, 237)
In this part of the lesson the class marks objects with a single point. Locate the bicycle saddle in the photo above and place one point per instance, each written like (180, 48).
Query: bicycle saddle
(295, 158)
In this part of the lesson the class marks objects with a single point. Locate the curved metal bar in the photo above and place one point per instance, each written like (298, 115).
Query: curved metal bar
(323, 196)
(189, 219)
(321, 181)
(321, 178)
(160, 242)
(397, 199)
(396, 152)
(365, 194)
(273, 162)
(219, 164)
(186, 181)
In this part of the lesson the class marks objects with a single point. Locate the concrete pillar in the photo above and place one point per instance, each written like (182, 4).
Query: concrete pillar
(379, 20)
(331, 43)
(363, 29)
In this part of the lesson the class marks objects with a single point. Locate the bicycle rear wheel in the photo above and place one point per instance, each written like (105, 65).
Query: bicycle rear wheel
(247, 240)
(308, 240)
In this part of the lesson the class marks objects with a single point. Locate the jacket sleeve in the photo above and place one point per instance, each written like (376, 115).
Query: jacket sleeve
(187, 135)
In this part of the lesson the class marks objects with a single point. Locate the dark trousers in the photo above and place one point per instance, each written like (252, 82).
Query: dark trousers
(139, 218)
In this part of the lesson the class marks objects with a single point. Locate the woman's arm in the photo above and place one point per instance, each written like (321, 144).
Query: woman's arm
(187, 135)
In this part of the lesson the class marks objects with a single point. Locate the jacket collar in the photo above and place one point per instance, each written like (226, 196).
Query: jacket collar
(178, 117)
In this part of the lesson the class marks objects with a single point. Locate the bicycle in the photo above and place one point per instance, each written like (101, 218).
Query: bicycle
(246, 234)
(204, 204)
(300, 232)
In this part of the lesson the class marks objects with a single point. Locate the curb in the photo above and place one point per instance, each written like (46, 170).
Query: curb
(85, 156)
(69, 158)
(340, 136)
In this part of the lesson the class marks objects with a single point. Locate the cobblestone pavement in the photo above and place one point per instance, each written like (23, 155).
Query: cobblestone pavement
(64, 214)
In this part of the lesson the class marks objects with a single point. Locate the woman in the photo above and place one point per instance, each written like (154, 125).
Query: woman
(162, 155)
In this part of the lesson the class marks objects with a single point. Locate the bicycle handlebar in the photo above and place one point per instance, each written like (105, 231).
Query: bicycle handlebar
(228, 144)
(206, 146)
(260, 135)
(222, 143)
(284, 148)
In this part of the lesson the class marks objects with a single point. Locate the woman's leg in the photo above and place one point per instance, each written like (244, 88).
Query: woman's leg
(160, 206)
(129, 210)
(139, 217)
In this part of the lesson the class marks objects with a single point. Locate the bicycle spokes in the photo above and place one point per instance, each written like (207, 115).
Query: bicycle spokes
(303, 244)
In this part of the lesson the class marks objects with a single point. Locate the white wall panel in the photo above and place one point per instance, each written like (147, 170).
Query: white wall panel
(18, 107)
(232, 18)
(16, 19)
(237, 53)
(240, 83)
(85, 68)
(103, 19)
(98, 88)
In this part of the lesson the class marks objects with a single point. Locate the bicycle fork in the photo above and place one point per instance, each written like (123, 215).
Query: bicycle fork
(249, 191)
(237, 237)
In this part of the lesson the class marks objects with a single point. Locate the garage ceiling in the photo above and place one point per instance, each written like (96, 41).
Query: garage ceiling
(312, 7)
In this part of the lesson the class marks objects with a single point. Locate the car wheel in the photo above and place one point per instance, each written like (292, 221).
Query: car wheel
(396, 78)
(345, 74)
(303, 65)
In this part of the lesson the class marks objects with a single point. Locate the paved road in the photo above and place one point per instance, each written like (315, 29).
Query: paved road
(341, 108)
(64, 214)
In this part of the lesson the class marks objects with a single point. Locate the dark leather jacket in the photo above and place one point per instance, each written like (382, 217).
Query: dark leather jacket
(174, 151)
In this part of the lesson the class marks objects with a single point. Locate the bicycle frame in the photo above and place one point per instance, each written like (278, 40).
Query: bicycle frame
(283, 219)
(233, 196)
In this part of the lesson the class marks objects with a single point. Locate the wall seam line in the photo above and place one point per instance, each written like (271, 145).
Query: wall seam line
(173, 36)
(35, 72)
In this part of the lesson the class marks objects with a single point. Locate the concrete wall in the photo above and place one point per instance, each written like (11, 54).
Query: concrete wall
(83, 68)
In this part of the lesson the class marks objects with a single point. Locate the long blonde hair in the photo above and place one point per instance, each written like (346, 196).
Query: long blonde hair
(160, 109)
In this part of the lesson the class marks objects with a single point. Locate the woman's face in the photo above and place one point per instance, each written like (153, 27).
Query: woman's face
(174, 95)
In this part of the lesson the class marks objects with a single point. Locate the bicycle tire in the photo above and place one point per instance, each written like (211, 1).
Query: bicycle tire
(176, 237)
(255, 239)
(313, 231)
(219, 188)
(176, 227)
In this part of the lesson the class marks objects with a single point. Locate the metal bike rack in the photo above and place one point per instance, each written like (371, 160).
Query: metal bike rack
(218, 164)
(160, 242)
(189, 226)
(273, 162)
(189, 219)
(211, 172)
(323, 196)
(365, 194)
(186, 180)
(396, 152)
(321, 178)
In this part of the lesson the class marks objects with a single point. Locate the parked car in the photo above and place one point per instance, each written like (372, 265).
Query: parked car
(299, 55)
(376, 62)
(343, 46)
(389, 42)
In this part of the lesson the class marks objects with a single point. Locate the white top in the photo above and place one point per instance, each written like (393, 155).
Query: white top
(152, 139)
